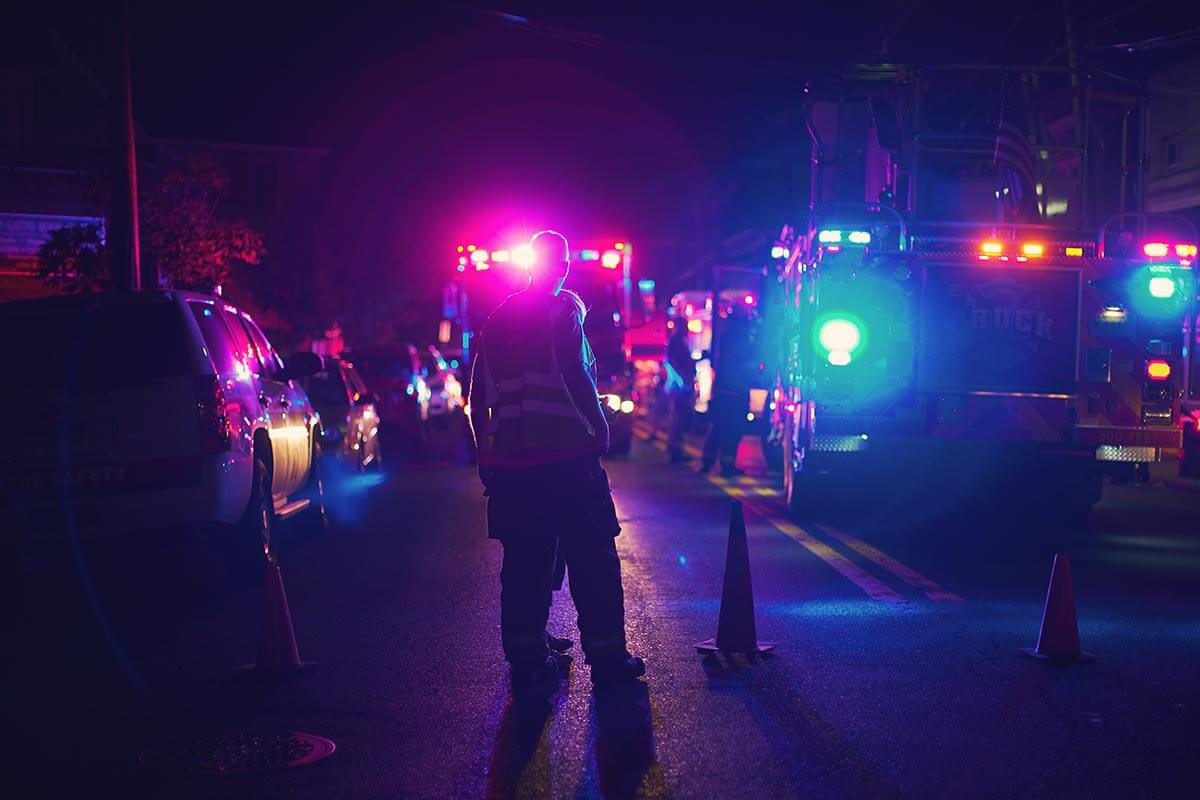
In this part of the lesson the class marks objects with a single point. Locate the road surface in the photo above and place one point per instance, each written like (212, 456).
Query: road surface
(897, 671)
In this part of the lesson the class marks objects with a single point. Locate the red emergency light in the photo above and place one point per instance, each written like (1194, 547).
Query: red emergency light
(1155, 249)
(1158, 370)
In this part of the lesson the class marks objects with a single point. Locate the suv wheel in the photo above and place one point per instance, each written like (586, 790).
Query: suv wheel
(255, 531)
(315, 518)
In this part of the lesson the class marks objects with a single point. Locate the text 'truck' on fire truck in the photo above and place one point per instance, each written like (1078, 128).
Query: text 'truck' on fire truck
(975, 300)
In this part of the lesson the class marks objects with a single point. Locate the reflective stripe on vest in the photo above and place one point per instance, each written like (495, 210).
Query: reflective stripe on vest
(537, 406)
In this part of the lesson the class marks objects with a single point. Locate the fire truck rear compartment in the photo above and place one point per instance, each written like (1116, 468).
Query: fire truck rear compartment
(999, 329)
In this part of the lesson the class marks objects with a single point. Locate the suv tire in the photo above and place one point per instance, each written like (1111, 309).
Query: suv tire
(255, 532)
(315, 518)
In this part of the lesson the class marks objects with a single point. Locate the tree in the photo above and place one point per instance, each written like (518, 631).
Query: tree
(181, 234)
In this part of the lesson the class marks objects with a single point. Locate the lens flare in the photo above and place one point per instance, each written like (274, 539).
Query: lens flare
(523, 256)
(839, 335)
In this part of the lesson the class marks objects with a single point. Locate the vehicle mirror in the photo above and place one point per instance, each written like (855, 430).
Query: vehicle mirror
(302, 365)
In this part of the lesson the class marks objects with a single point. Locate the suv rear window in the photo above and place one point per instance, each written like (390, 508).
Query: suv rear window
(326, 388)
(221, 348)
(80, 347)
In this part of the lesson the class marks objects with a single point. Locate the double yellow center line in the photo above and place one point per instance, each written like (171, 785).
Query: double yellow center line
(753, 494)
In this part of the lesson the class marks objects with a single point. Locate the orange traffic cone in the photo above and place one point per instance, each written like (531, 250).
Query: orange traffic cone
(736, 632)
(277, 651)
(1058, 639)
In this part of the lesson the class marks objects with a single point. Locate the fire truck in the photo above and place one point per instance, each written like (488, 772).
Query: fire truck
(975, 300)
(600, 274)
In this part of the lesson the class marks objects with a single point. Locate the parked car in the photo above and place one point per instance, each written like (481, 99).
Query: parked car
(396, 376)
(349, 415)
(445, 390)
(155, 409)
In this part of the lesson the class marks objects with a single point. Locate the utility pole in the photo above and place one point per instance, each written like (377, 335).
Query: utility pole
(123, 233)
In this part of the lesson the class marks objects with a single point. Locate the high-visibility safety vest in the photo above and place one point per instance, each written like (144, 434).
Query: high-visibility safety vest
(532, 415)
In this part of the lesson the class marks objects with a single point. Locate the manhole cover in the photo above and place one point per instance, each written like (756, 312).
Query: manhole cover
(241, 752)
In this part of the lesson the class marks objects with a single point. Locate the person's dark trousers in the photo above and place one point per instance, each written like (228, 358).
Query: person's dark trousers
(526, 586)
(728, 411)
(527, 582)
(537, 522)
(681, 409)
(733, 412)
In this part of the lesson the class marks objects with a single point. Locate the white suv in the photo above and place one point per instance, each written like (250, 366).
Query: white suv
(153, 409)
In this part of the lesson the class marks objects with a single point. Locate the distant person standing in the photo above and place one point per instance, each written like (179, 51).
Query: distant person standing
(680, 390)
(540, 432)
(730, 396)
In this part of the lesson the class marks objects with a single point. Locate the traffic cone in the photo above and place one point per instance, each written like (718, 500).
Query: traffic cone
(736, 632)
(1058, 639)
(277, 651)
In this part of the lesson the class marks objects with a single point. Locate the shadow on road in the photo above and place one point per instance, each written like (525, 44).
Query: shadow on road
(621, 736)
(520, 764)
(621, 756)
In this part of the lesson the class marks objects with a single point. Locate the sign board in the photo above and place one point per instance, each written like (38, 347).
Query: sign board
(999, 329)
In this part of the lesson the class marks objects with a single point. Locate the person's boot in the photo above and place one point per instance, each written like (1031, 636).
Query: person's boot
(617, 671)
(559, 644)
(535, 672)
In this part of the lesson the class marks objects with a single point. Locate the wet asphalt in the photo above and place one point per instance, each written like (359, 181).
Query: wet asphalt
(897, 671)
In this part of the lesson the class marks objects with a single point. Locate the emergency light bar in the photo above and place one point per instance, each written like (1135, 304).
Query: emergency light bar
(837, 237)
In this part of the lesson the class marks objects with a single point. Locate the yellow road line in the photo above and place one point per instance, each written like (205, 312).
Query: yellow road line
(746, 487)
(874, 588)
(910, 576)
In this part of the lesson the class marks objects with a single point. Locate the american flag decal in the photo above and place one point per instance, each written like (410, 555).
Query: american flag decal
(1013, 157)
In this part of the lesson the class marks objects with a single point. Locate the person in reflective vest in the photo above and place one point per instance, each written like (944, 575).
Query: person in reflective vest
(540, 432)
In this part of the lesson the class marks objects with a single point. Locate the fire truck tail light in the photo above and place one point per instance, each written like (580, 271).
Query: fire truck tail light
(1185, 250)
(779, 251)
(829, 237)
(1033, 249)
(991, 248)
(1162, 287)
(1155, 249)
(1074, 252)
(860, 237)
(611, 259)
(1158, 370)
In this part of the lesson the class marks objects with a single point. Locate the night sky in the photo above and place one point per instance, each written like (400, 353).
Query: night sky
(456, 122)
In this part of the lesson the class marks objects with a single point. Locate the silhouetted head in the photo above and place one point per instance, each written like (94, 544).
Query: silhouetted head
(551, 261)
